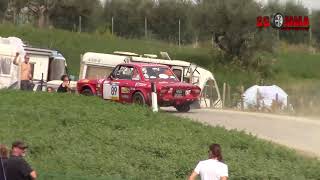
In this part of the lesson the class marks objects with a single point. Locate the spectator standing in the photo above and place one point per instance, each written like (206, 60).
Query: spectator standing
(213, 168)
(25, 72)
(17, 167)
(3, 161)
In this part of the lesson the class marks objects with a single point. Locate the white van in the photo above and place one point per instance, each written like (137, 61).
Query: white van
(98, 65)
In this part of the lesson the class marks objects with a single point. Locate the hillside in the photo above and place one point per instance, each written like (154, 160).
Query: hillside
(84, 138)
(73, 44)
(295, 68)
(291, 62)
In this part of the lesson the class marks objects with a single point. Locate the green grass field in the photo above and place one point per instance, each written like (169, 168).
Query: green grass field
(72, 137)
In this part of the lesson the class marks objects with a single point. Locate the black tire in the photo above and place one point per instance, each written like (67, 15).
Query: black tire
(138, 98)
(183, 108)
(87, 92)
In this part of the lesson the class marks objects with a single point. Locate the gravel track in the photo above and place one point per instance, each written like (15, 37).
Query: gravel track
(299, 133)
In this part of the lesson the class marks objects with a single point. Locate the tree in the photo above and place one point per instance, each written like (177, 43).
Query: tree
(13, 9)
(315, 24)
(162, 18)
(129, 16)
(232, 23)
(3, 7)
(60, 13)
(290, 8)
(165, 19)
(66, 13)
(42, 10)
(119, 12)
(295, 9)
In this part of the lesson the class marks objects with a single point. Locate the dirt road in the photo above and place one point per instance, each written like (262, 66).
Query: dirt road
(299, 133)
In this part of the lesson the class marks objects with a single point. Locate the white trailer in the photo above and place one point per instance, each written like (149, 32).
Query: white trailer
(47, 65)
(9, 75)
(99, 65)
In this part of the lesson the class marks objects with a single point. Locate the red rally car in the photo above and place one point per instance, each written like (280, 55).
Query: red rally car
(131, 83)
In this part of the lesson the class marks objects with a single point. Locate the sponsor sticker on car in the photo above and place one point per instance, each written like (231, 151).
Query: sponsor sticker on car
(125, 90)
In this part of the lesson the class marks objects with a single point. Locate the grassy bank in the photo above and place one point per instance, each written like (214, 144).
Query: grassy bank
(291, 62)
(295, 68)
(73, 137)
(73, 44)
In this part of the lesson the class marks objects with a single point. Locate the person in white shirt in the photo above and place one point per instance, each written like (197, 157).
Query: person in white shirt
(213, 168)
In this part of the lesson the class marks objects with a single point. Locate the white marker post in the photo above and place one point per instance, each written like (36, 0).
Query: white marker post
(154, 98)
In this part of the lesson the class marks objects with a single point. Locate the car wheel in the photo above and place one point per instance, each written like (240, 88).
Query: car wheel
(138, 98)
(183, 108)
(87, 92)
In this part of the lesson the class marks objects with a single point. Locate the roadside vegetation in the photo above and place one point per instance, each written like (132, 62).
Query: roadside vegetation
(72, 44)
(292, 67)
(290, 62)
(72, 137)
(242, 54)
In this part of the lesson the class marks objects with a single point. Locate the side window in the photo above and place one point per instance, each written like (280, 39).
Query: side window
(96, 72)
(5, 65)
(136, 75)
(124, 72)
(114, 72)
(178, 73)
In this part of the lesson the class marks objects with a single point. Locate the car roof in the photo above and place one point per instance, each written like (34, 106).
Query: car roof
(144, 64)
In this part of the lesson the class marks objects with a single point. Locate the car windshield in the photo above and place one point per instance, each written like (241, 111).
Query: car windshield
(160, 73)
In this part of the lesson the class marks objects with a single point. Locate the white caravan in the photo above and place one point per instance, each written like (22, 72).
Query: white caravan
(47, 65)
(98, 65)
